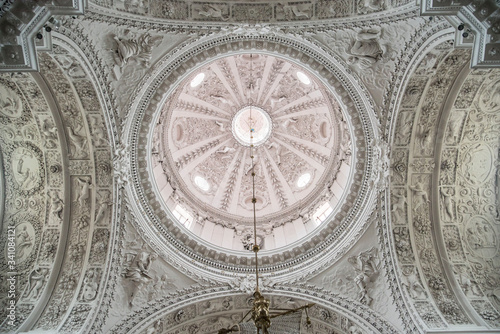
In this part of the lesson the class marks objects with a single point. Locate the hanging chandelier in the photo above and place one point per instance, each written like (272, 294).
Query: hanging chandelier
(284, 320)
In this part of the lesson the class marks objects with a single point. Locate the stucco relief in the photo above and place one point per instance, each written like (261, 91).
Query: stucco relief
(371, 53)
(227, 311)
(208, 11)
(488, 99)
(26, 167)
(26, 182)
(481, 238)
(288, 11)
(130, 48)
(10, 103)
(428, 280)
(81, 196)
(237, 10)
(478, 163)
(454, 127)
(199, 131)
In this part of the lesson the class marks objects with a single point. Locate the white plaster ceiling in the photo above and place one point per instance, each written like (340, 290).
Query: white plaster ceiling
(216, 185)
(88, 151)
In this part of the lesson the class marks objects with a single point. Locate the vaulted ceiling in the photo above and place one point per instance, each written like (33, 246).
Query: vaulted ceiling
(126, 186)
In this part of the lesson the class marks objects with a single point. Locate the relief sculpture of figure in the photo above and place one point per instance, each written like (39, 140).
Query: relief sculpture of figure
(225, 149)
(213, 11)
(366, 266)
(367, 6)
(415, 289)
(84, 193)
(49, 131)
(104, 204)
(446, 205)
(366, 50)
(398, 207)
(277, 147)
(90, 286)
(56, 206)
(419, 195)
(24, 173)
(294, 9)
(10, 103)
(35, 282)
(133, 49)
(24, 241)
(77, 142)
(138, 272)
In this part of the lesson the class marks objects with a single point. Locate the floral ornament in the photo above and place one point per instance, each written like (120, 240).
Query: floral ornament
(436, 283)
(422, 225)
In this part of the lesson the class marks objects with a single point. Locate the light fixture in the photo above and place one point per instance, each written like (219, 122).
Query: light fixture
(260, 313)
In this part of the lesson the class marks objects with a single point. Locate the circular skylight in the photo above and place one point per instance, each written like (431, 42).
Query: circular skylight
(202, 183)
(303, 78)
(303, 180)
(251, 120)
(198, 79)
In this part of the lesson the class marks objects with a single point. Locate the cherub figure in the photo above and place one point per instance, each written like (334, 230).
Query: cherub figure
(84, 193)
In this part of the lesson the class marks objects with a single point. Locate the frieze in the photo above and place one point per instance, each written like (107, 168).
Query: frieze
(25, 171)
(428, 63)
(420, 189)
(252, 11)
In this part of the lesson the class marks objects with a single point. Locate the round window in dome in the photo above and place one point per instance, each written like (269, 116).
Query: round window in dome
(198, 79)
(303, 78)
(202, 183)
(303, 180)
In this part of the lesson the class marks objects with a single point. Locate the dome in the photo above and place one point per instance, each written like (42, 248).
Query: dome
(205, 128)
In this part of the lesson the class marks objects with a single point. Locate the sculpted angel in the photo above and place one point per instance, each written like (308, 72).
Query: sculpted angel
(367, 267)
(35, 282)
(138, 272)
(209, 10)
(366, 49)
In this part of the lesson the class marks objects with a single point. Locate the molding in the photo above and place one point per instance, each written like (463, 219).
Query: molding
(64, 233)
(479, 20)
(18, 48)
